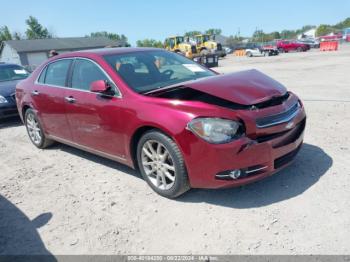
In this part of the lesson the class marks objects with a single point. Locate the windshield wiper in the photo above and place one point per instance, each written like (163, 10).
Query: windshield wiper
(159, 89)
(162, 88)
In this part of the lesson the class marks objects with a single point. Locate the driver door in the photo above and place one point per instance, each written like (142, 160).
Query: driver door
(94, 119)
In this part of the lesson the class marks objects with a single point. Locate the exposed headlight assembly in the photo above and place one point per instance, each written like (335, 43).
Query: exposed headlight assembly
(3, 100)
(215, 130)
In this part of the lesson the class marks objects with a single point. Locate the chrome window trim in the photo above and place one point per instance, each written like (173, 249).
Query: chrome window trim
(36, 82)
(44, 67)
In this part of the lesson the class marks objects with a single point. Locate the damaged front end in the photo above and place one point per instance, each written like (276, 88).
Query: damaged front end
(184, 93)
(269, 138)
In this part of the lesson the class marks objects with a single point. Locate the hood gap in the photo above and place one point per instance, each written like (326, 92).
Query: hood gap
(188, 94)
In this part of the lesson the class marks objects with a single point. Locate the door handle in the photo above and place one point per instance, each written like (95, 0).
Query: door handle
(70, 99)
(35, 93)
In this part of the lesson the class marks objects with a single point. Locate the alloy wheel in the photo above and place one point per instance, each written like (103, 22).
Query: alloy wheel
(34, 130)
(158, 164)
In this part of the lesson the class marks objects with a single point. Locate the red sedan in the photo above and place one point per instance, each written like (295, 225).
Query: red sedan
(182, 125)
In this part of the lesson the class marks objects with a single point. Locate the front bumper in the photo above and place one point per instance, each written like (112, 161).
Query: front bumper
(256, 157)
(7, 111)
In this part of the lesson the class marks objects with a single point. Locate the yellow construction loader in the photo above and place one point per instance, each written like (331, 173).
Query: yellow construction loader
(206, 44)
(181, 45)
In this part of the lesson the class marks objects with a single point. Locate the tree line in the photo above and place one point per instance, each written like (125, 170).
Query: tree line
(321, 30)
(35, 30)
(325, 29)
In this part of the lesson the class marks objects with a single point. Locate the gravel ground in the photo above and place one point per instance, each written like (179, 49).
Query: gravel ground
(65, 201)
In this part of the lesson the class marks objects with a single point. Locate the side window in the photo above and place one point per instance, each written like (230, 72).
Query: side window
(172, 42)
(167, 42)
(84, 73)
(42, 76)
(56, 72)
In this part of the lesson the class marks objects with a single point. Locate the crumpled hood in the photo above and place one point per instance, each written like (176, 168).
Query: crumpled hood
(7, 88)
(245, 87)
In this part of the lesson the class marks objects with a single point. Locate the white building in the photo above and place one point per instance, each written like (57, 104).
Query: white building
(308, 34)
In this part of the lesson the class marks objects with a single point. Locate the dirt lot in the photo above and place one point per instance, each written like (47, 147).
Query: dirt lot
(65, 201)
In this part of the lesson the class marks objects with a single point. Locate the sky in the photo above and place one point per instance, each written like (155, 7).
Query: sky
(158, 19)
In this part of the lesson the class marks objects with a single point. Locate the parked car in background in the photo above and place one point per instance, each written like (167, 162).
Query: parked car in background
(252, 49)
(270, 48)
(285, 46)
(10, 75)
(313, 43)
(331, 37)
(182, 125)
(227, 50)
(346, 34)
(255, 49)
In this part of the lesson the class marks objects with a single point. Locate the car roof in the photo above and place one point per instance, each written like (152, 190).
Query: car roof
(109, 51)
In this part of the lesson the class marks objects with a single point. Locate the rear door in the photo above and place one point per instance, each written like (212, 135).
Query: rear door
(48, 98)
(94, 119)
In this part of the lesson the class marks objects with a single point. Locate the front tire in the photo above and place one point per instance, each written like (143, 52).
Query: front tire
(35, 131)
(204, 52)
(161, 164)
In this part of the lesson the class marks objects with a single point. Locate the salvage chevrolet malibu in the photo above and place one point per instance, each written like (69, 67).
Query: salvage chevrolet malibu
(182, 125)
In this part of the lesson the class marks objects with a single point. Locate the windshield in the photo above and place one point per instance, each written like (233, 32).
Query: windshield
(149, 70)
(206, 38)
(12, 72)
(180, 39)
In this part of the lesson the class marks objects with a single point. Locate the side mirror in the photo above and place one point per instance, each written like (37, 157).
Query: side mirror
(101, 87)
(98, 86)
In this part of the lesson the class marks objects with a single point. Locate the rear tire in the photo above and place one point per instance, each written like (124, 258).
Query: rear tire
(249, 54)
(35, 131)
(161, 164)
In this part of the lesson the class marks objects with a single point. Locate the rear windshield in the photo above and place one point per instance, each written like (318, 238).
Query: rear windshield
(12, 72)
(146, 71)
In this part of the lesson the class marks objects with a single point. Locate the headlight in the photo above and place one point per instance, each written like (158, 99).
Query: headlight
(215, 130)
(3, 100)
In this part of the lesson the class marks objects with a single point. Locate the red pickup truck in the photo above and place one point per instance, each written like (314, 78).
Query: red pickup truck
(284, 46)
(332, 37)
